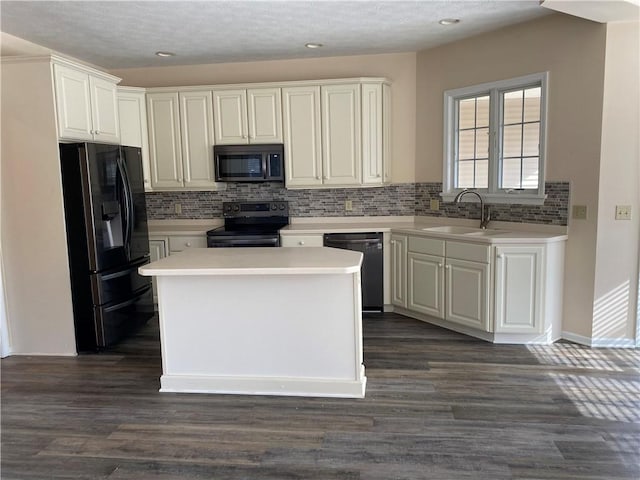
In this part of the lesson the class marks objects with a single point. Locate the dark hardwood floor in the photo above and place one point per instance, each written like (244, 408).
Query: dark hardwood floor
(439, 405)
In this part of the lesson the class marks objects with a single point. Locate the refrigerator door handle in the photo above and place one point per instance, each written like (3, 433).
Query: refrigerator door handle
(128, 206)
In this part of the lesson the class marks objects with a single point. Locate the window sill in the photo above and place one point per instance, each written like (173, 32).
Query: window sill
(496, 198)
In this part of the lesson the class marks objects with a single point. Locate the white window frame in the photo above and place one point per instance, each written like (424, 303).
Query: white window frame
(494, 194)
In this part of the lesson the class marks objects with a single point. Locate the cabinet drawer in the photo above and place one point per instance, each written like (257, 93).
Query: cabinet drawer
(181, 242)
(301, 241)
(428, 246)
(468, 251)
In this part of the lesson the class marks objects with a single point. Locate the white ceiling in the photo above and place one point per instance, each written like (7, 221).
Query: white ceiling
(116, 34)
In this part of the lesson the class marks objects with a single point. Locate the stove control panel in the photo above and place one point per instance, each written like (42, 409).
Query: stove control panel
(255, 209)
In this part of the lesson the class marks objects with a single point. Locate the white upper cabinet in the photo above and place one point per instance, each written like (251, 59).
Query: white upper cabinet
(302, 135)
(247, 116)
(165, 146)
(181, 140)
(352, 146)
(132, 115)
(341, 149)
(86, 105)
(196, 117)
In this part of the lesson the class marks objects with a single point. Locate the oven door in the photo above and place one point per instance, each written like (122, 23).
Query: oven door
(243, 241)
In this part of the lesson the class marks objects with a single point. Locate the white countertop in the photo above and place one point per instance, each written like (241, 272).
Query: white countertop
(256, 261)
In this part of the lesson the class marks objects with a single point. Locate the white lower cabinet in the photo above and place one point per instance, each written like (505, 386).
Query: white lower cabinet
(519, 271)
(157, 250)
(467, 293)
(399, 270)
(301, 240)
(497, 289)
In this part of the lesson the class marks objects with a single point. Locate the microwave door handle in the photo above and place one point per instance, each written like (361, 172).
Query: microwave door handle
(265, 166)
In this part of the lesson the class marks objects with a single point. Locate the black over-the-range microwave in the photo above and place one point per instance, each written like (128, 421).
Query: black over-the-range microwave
(249, 163)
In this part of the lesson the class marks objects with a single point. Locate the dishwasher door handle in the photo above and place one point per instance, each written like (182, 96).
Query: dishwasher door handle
(352, 242)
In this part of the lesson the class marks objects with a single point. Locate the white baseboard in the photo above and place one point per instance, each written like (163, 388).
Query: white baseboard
(40, 354)
(300, 387)
(601, 342)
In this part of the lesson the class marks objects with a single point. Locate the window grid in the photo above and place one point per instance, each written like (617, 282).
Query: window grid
(474, 129)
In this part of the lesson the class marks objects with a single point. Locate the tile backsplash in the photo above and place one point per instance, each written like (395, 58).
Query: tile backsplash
(404, 199)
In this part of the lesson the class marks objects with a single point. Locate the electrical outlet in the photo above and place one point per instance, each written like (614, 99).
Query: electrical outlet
(579, 212)
(348, 205)
(434, 204)
(623, 212)
(177, 207)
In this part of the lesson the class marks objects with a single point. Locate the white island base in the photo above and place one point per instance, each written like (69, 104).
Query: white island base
(261, 321)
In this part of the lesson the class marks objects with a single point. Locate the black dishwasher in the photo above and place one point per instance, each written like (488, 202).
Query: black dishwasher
(370, 244)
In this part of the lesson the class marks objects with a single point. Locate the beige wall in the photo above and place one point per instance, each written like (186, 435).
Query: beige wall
(399, 68)
(573, 51)
(616, 283)
(34, 244)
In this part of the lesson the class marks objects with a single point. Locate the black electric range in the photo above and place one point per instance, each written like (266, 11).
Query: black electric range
(250, 224)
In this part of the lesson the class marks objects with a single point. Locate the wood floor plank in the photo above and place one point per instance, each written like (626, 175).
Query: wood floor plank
(439, 405)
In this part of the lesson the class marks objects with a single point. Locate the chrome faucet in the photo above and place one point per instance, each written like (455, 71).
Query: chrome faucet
(484, 220)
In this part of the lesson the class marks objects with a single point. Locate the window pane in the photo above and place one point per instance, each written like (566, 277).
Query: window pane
(512, 107)
(530, 146)
(482, 143)
(482, 174)
(530, 172)
(511, 141)
(482, 111)
(532, 104)
(511, 173)
(466, 144)
(467, 113)
(465, 174)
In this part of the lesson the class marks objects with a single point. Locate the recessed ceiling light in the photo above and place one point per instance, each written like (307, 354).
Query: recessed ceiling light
(449, 21)
(165, 54)
(313, 45)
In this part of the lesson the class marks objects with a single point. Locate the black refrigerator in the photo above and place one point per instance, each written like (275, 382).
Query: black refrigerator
(108, 240)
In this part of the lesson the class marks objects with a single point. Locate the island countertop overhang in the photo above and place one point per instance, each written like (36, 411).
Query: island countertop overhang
(256, 261)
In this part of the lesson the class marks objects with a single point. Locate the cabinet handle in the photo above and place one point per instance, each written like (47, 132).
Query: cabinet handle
(499, 255)
(447, 267)
(393, 242)
(97, 132)
(188, 244)
(439, 265)
(317, 177)
(378, 175)
(301, 242)
(244, 136)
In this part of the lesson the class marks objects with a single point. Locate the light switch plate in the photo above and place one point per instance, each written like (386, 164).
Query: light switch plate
(177, 207)
(579, 212)
(623, 212)
(434, 204)
(348, 205)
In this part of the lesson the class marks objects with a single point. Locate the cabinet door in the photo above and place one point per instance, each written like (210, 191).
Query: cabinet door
(302, 147)
(467, 295)
(265, 115)
(372, 134)
(426, 284)
(164, 140)
(132, 118)
(230, 110)
(386, 133)
(518, 289)
(341, 138)
(104, 108)
(196, 121)
(399, 270)
(73, 103)
(157, 250)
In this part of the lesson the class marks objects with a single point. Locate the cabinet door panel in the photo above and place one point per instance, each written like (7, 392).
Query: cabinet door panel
(132, 118)
(518, 292)
(230, 111)
(73, 103)
(426, 284)
(467, 297)
(302, 147)
(399, 270)
(265, 115)
(196, 116)
(104, 108)
(341, 137)
(372, 134)
(386, 133)
(164, 140)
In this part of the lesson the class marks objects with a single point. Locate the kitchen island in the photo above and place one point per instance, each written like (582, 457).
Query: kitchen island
(261, 321)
